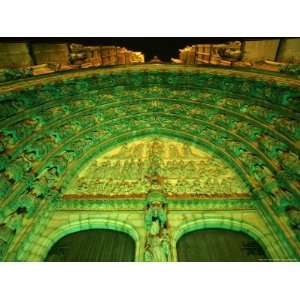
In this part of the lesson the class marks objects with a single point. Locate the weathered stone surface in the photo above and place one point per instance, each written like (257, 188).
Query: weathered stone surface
(51, 130)
(51, 53)
(14, 55)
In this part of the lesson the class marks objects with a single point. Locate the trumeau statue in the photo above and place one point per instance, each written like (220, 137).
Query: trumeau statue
(157, 248)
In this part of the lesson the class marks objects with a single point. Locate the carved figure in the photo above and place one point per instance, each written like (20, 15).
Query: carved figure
(5, 186)
(4, 161)
(288, 125)
(291, 164)
(237, 148)
(294, 219)
(40, 188)
(38, 149)
(272, 147)
(155, 213)
(157, 242)
(8, 229)
(156, 249)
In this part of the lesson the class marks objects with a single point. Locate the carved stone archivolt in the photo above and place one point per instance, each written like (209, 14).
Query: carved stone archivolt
(185, 131)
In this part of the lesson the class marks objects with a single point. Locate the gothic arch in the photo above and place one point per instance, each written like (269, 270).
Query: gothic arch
(269, 242)
(42, 242)
(49, 127)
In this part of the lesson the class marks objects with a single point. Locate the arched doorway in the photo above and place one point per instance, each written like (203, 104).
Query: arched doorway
(219, 245)
(82, 140)
(102, 245)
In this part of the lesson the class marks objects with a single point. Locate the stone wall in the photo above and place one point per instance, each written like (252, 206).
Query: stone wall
(289, 50)
(50, 53)
(103, 55)
(23, 60)
(257, 51)
(215, 54)
(38, 237)
(247, 53)
(14, 55)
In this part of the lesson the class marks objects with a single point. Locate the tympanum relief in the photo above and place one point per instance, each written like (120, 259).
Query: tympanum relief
(156, 163)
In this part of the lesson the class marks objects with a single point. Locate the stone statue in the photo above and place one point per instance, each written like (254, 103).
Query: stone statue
(294, 219)
(155, 249)
(8, 229)
(291, 164)
(155, 216)
(272, 147)
(157, 241)
(165, 245)
(280, 197)
(5, 186)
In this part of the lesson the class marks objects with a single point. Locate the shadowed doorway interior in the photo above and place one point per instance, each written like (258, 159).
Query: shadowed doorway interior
(219, 245)
(96, 245)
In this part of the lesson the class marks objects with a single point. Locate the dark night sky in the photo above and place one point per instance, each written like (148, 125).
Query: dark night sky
(163, 47)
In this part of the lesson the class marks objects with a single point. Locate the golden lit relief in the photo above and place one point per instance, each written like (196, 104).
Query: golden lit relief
(175, 168)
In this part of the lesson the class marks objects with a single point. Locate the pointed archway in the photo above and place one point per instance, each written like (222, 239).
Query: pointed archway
(52, 127)
(219, 245)
(94, 245)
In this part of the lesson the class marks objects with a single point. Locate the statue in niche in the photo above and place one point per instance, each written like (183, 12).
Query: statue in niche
(5, 186)
(135, 169)
(249, 130)
(287, 124)
(40, 187)
(262, 113)
(272, 147)
(2, 145)
(291, 164)
(69, 154)
(179, 169)
(138, 150)
(236, 147)
(126, 170)
(173, 152)
(187, 152)
(294, 220)
(157, 247)
(9, 138)
(14, 171)
(49, 176)
(8, 229)
(140, 168)
(279, 196)
(252, 160)
(190, 169)
(115, 170)
(38, 149)
(4, 162)
(105, 168)
(169, 168)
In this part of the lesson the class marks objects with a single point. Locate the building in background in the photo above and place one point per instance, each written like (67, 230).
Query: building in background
(263, 54)
(28, 59)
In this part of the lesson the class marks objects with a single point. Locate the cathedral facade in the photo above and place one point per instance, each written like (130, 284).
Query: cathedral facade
(154, 151)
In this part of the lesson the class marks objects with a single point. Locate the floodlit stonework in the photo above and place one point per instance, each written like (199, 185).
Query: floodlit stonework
(155, 151)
